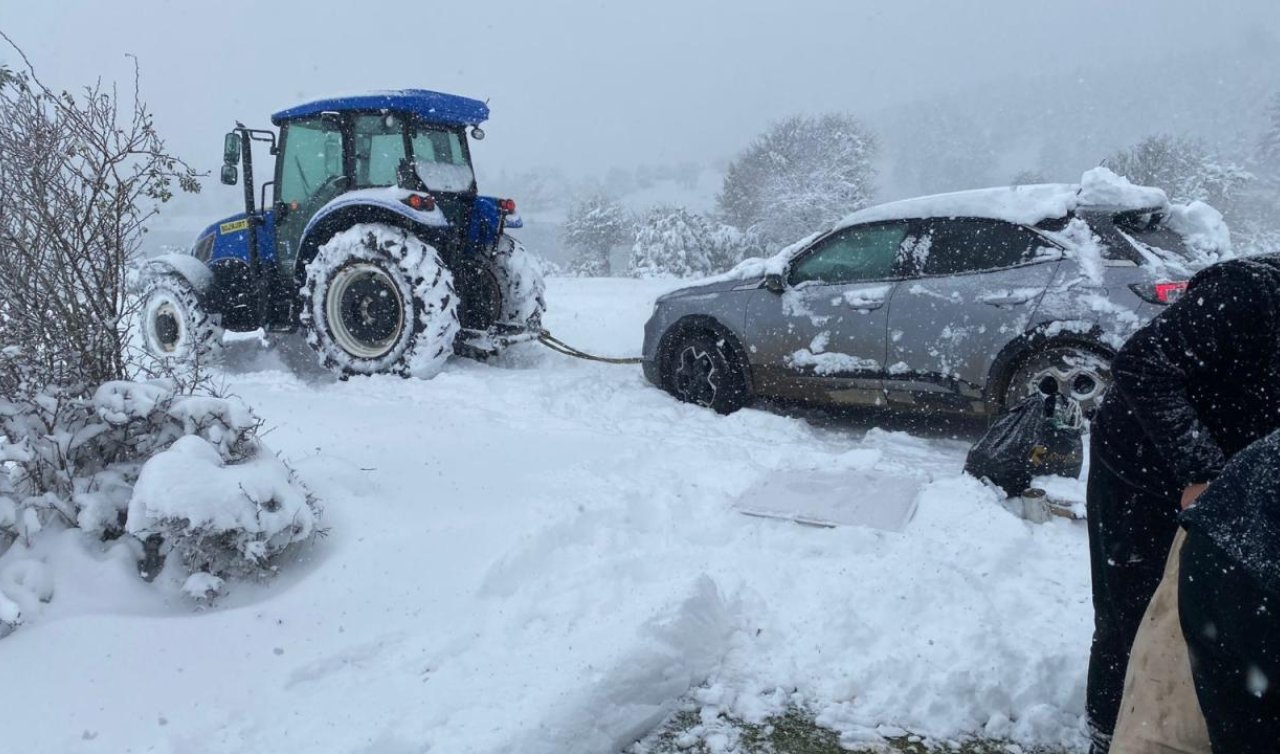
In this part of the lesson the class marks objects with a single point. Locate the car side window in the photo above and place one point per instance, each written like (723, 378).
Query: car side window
(851, 255)
(957, 246)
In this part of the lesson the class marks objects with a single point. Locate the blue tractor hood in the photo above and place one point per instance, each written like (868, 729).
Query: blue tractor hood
(433, 107)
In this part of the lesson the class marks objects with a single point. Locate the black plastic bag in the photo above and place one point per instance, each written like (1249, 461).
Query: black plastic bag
(1038, 437)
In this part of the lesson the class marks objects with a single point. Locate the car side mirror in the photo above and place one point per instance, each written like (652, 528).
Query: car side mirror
(774, 283)
(230, 151)
(230, 175)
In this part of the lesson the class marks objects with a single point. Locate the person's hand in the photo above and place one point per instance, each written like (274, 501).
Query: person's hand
(1190, 494)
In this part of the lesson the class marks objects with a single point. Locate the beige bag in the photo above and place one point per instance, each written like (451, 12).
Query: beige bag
(1160, 713)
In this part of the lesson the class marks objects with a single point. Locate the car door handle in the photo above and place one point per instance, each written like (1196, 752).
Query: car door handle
(1005, 299)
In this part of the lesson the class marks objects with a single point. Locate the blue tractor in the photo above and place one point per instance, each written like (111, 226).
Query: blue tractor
(376, 244)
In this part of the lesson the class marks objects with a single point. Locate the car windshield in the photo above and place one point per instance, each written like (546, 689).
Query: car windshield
(441, 159)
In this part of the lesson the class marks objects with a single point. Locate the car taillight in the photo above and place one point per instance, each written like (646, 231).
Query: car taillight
(1160, 293)
(507, 205)
(420, 202)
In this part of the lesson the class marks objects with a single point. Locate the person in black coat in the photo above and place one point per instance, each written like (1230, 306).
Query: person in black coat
(1192, 388)
(1229, 601)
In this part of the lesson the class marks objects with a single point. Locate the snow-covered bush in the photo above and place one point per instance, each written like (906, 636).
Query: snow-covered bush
(149, 459)
(216, 514)
(800, 175)
(671, 241)
(594, 227)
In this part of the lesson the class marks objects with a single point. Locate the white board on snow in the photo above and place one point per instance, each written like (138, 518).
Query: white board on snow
(826, 498)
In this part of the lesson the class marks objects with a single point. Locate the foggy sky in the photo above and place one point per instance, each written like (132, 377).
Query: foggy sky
(589, 85)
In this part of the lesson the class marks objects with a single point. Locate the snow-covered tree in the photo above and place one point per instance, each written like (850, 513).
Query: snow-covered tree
(671, 241)
(595, 226)
(1185, 168)
(800, 175)
(729, 246)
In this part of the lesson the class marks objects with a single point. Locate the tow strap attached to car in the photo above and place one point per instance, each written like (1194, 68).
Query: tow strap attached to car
(559, 346)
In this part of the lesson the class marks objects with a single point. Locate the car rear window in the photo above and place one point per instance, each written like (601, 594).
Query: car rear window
(1160, 237)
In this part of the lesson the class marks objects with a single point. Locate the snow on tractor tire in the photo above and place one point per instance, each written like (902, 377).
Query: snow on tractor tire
(176, 330)
(523, 289)
(379, 300)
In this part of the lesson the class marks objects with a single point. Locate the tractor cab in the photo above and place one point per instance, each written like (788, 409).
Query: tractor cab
(395, 162)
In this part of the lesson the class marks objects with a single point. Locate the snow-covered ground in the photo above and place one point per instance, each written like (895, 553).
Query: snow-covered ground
(540, 555)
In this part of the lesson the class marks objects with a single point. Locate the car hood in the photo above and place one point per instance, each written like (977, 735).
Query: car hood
(707, 287)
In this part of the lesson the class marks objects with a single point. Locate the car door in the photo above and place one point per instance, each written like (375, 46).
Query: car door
(974, 286)
(821, 337)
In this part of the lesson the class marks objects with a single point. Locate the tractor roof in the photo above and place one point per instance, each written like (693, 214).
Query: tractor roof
(434, 107)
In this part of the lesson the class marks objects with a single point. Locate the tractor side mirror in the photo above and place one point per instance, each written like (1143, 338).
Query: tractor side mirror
(230, 152)
(230, 175)
(774, 283)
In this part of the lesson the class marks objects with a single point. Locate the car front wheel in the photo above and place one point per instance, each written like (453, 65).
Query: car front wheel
(702, 370)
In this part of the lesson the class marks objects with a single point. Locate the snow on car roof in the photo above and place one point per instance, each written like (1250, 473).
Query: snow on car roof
(434, 107)
(1026, 205)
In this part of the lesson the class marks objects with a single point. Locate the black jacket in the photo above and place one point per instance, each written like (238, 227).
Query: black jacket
(1240, 512)
(1199, 383)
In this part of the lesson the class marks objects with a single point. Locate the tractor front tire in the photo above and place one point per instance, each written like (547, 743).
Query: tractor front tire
(377, 299)
(176, 330)
(521, 284)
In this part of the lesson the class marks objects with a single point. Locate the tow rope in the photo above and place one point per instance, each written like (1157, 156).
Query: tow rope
(559, 346)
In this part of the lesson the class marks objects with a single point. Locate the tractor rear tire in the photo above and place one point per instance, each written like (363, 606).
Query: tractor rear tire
(176, 330)
(377, 299)
(521, 284)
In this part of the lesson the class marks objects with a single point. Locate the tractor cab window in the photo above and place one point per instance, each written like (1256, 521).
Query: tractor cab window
(311, 166)
(441, 159)
(379, 148)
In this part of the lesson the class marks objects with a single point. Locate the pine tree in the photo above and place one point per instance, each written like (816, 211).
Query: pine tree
(595, 226)
(799, 176)
(672, 241)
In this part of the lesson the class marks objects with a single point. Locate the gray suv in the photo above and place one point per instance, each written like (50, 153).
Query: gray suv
(958, 303)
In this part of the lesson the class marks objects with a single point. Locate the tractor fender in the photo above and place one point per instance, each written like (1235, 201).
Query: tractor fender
(389, 199)
(184, 266)
(379, 205)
